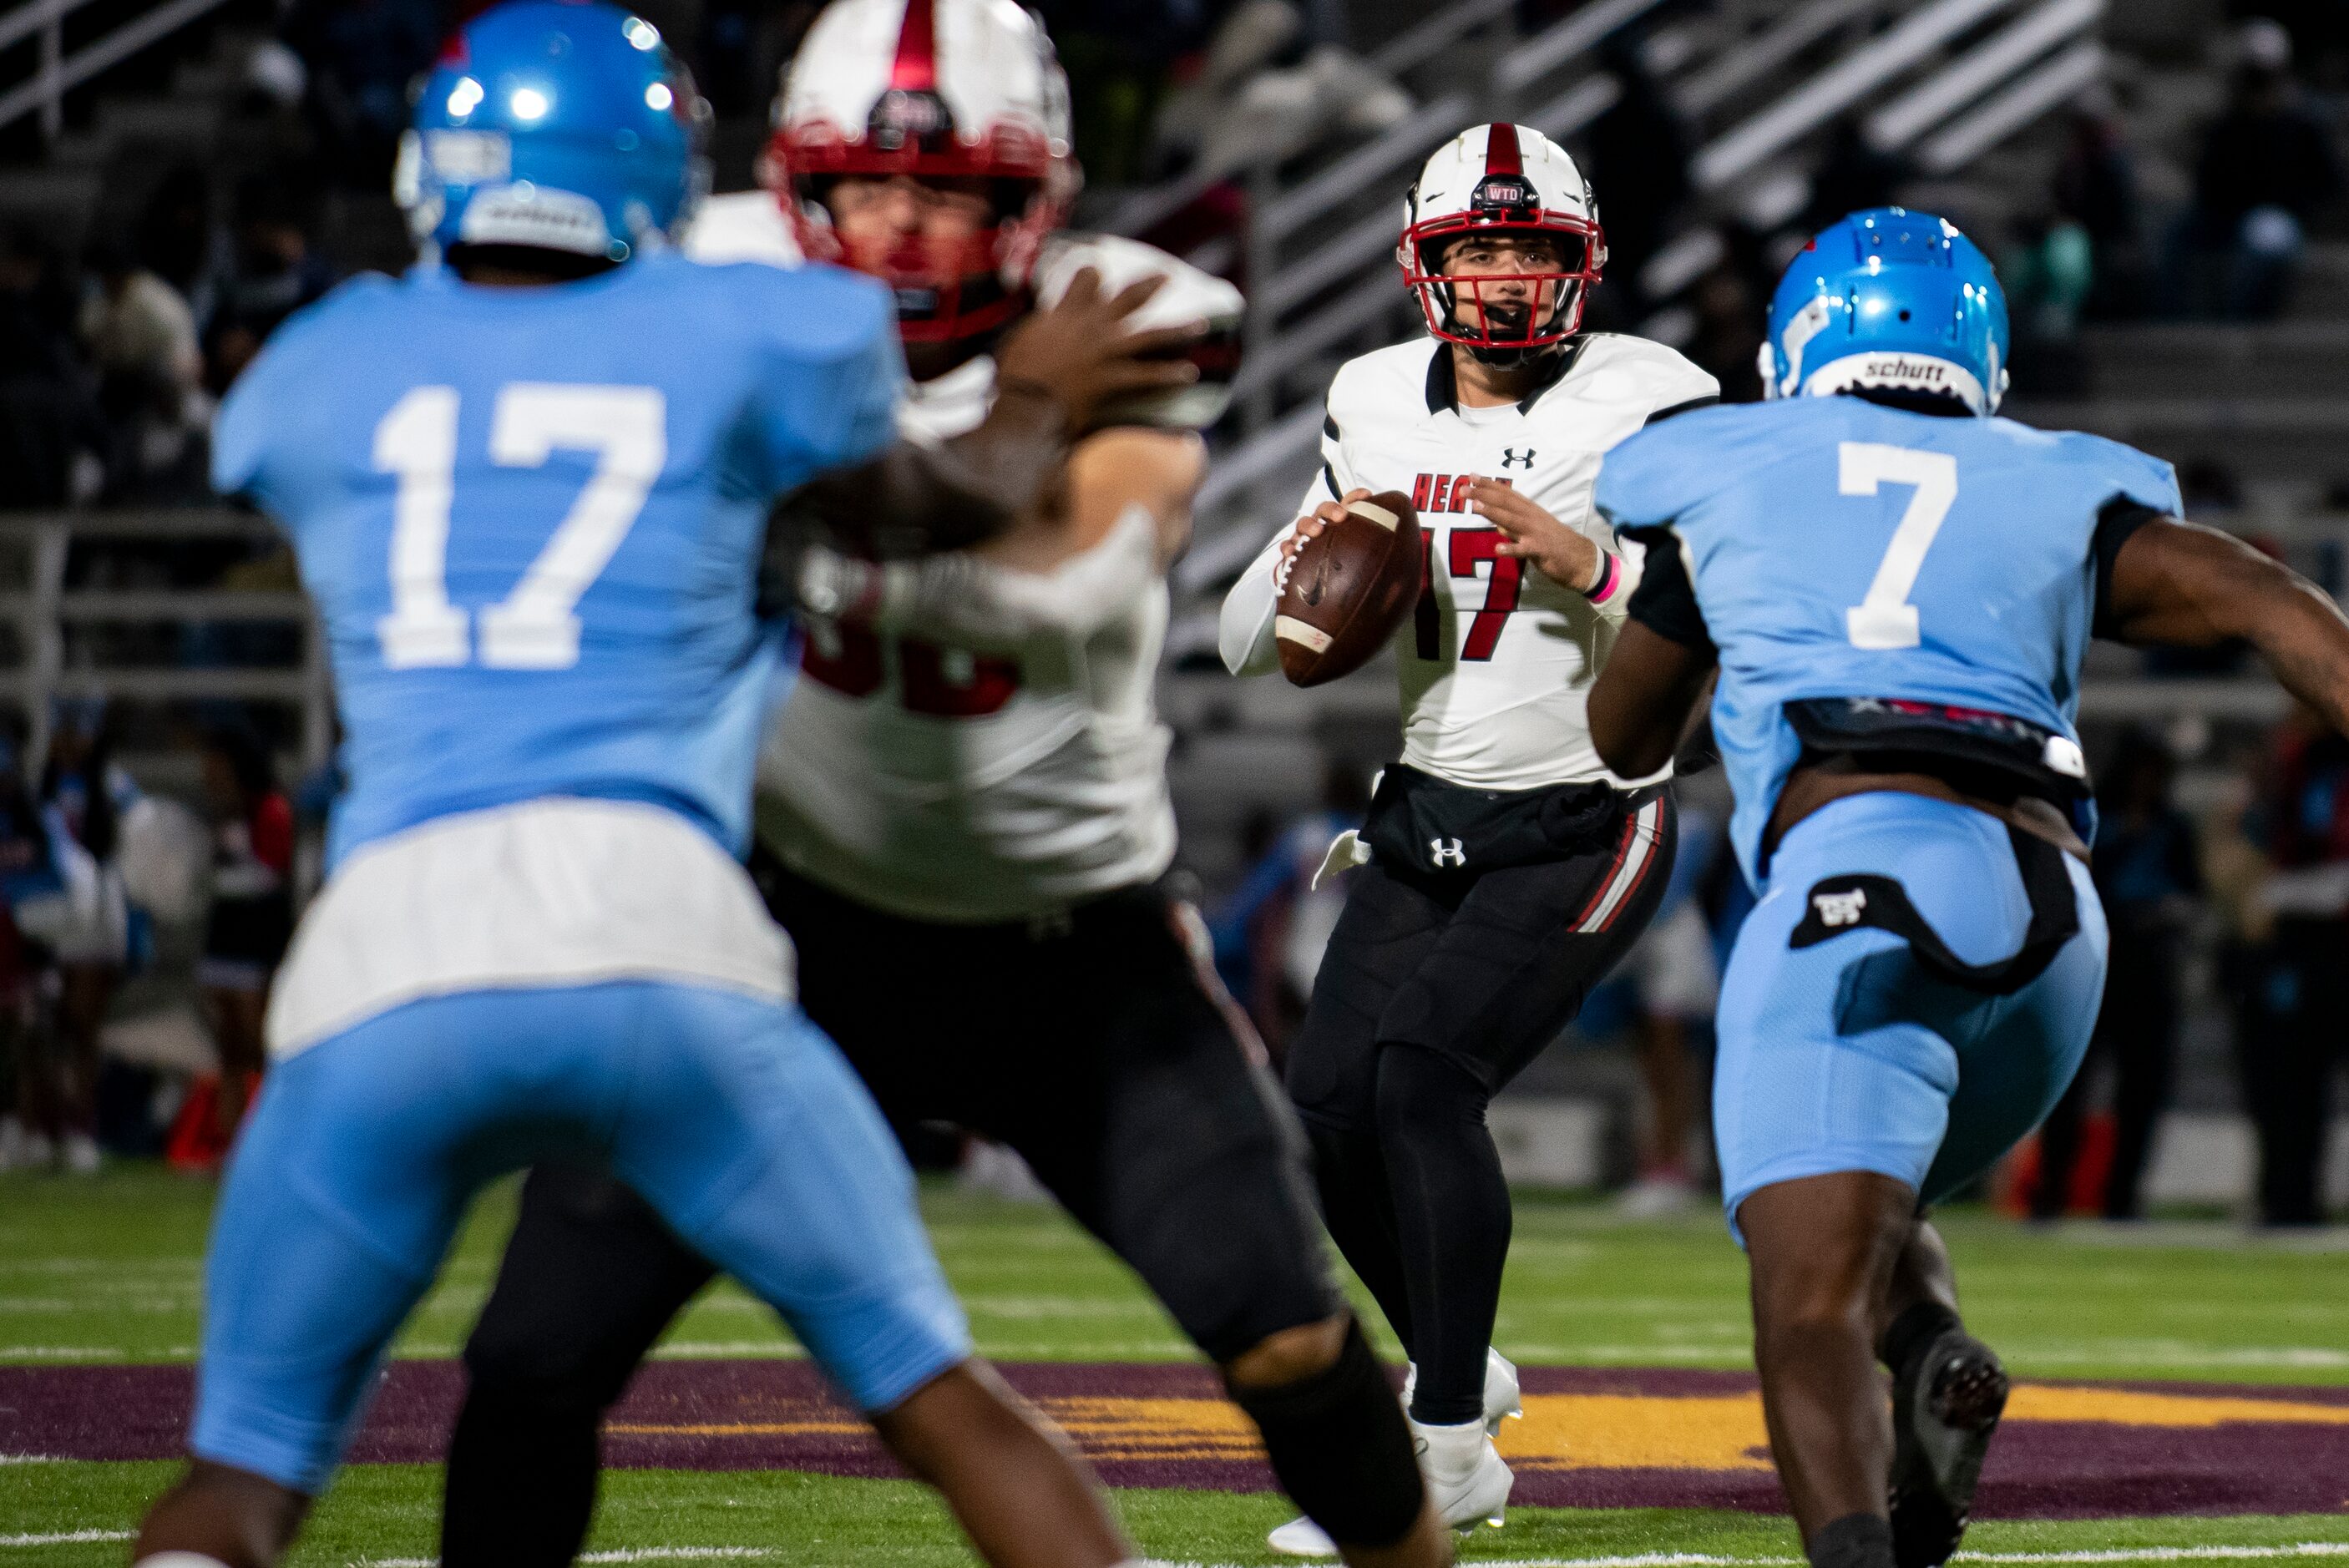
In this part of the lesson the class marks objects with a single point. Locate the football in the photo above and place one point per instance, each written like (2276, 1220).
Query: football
(1347, 589)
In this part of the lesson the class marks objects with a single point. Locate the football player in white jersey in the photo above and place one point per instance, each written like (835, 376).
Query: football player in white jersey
(1506, 868)
(965, 818)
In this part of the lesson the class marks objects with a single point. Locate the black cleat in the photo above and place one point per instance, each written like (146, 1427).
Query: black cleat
(1946, 1403)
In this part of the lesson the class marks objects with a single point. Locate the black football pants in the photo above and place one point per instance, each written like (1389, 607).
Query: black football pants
(1437, 988)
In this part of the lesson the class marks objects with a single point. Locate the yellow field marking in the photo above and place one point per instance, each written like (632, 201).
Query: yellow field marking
(1636, 1431)
(1559, 1431)
(2131, 1408)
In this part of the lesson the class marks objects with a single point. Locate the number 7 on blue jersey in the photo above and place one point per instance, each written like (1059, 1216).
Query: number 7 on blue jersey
(1885, 619)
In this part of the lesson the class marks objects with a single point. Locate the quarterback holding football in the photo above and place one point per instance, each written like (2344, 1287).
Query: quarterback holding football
(1503, 868)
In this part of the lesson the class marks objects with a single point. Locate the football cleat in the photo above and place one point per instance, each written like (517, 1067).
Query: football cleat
(1946, 1404)
(1467, 1480)
(1303, 1538)
(1502, 1402)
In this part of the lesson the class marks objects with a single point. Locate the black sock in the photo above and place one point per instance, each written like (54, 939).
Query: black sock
(1452, 1213)
(1351, 1175)
(520, 1488)
(1854, 1541)
(1915, 1328)
(1338, 1445)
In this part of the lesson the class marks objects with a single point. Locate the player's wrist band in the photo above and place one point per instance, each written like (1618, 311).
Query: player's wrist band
(1609, 579)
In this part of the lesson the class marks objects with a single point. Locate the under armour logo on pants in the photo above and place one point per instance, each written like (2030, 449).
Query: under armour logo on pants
(1447, 852)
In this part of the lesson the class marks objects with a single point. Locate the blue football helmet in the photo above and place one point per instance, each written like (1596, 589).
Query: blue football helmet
(562, 125)
(1893, 300)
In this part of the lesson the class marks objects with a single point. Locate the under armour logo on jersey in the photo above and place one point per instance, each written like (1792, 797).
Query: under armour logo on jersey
(1509, 459)
(1447, 852)
(1837, 909)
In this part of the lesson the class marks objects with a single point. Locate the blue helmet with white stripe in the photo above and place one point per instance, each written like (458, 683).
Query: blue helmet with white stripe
(1893, 301)
(559, 125)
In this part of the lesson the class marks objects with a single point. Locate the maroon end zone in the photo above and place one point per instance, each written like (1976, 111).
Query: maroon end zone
(1640, 1438)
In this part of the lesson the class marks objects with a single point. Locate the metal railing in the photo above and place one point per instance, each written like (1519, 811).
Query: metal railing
(58, 73)
(1945, 108)
(43, 608)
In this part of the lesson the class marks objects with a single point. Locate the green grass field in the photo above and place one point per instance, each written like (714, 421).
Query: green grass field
(108, 1271)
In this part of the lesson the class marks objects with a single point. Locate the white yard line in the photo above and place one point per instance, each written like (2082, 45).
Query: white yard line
(629, 1555)
(66, 1538)
(2117, 1555)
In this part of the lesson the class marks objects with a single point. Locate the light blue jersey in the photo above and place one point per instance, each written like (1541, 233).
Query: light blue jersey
(1838, 548)
(531, 520)
(489, 486)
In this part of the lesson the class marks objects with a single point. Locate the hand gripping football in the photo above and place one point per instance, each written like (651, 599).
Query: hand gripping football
(1348, 590)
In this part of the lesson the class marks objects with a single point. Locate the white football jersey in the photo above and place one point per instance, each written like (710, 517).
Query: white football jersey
(958, 774)
(1496, 661)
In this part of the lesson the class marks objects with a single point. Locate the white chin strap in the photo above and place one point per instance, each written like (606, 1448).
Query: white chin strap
(1921, 374)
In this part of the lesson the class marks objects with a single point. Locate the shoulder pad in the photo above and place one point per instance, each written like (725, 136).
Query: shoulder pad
(2138, 475)
(1384, 385)
(742, 226)
(1639, 369)
(1189, 295)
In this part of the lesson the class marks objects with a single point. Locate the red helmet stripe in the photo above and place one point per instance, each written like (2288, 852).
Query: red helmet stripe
(916, 69)
(1501, 150)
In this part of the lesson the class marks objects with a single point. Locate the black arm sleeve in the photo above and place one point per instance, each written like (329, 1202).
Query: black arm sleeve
(1660, 415)
(2118, 519)
(1665, 601)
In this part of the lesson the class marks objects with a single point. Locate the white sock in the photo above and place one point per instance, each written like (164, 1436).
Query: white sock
(179, 1560)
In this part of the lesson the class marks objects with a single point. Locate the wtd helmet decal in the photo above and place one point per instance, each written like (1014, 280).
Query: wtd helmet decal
(1502, 179)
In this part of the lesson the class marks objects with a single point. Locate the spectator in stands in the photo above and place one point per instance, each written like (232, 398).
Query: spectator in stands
(1270, 89)
(2266, 166)
(181, 239)
(1855, 173)
(2292, 1043)
(1678, 985)
(274, 270)
(2147, 868)
(141, 338)
(252, 917)
(2095, 189)
(31, 1129)
(81, 914)
(360, 55)
(1728, 300)
(51, 437)
(1639, 165)
(1269, 935)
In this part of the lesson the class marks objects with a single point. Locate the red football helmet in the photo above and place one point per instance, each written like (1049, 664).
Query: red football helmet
(1501, 179)
(931, 89)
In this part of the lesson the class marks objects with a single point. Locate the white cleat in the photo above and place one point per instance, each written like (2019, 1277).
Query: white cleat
(1303, 1538)
(1502, 1402)
(81, 1155)
(1467, 1479)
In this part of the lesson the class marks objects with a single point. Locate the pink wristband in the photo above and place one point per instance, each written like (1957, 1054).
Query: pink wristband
(1610, 578)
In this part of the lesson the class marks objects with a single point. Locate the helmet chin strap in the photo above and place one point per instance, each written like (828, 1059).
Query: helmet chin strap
(1514, 355)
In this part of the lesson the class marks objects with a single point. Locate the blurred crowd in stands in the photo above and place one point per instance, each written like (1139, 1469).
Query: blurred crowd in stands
(115, 350)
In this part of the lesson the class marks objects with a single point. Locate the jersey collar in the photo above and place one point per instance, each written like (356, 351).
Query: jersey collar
(1443, 387)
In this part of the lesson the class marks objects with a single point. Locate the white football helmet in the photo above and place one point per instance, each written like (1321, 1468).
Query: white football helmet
(931, 89)
(1507, 179)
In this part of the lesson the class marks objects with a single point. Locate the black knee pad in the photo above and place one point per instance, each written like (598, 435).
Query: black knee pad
(1339, 1447)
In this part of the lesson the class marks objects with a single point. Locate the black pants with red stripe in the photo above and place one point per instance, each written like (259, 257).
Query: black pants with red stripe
(1437, 988)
